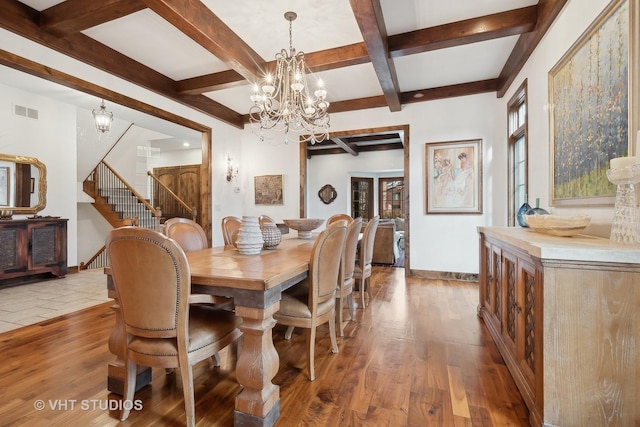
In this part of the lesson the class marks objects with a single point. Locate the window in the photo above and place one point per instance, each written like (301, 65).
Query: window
(391, 198)
(517, 133)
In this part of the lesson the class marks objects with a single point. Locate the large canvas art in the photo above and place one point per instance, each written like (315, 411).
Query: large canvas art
(589, 100)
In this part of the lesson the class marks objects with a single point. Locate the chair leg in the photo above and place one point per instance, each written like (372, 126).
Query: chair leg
(287, 335)
(129, 388)
(352, 306)
(332, 332)
(340, 310)
(187, 388)
(367, 287)
(311, 338)
(362, 284)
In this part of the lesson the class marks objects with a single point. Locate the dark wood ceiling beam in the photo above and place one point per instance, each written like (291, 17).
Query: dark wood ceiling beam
(382, 147)
(547, 12)
(322, 60)
(451, 91)
(497, 25)
(23, 20)
(368, 14)
(210, 82)
(198, 22)
(73, 16)
(346, 147)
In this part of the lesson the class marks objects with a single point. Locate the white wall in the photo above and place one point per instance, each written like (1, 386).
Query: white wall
(52, 140)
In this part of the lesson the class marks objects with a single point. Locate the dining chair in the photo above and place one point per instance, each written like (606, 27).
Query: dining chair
(230, 228)
(188, 233)
(312, 302)
(338, 217)
(347, 268)
(362, 272)
(163, 329)
(191, 237)
(262, 219)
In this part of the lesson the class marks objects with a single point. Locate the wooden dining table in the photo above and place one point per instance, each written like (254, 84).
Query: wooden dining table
(255, 282)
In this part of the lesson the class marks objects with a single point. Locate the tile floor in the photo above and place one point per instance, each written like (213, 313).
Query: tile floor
(26, 304)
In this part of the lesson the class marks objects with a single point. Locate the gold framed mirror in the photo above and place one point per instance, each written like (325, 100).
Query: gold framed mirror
(23, 184)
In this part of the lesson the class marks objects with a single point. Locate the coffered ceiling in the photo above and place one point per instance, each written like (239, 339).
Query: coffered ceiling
(371, 53)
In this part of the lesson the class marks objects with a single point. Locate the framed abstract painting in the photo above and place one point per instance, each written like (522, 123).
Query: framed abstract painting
(589, 98)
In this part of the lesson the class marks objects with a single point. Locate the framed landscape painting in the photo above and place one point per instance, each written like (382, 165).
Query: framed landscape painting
(454, 177)
(589, 95)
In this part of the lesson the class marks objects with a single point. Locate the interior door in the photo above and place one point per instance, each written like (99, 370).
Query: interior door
(184, 181)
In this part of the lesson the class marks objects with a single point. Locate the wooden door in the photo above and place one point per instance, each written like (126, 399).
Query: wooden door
(184, 181)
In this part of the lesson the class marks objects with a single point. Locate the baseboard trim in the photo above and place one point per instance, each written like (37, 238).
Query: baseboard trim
(444, 275)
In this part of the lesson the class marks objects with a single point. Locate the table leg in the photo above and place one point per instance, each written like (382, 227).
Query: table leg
(258, 404)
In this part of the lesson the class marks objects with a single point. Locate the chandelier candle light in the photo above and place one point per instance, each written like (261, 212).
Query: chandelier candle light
(103, 119)
(283, 101)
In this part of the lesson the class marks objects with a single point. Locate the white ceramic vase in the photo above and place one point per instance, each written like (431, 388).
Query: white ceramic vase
(250, 239)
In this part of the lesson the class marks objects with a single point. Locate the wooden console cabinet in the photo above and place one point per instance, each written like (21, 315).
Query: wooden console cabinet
(564, 313)
(33, 246)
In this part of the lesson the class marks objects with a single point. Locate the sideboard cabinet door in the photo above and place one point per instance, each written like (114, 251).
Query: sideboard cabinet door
(30, 247)
(510, 304)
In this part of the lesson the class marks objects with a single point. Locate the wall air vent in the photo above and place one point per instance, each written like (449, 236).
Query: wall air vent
(22, 111)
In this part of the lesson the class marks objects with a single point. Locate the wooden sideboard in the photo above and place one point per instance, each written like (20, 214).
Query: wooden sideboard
(564, 313)
(32, 246)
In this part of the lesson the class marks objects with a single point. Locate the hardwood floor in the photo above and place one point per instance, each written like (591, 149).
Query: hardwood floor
(418, 356)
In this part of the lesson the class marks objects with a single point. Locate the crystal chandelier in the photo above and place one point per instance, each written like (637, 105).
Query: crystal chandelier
(283, 101)
(103, 119)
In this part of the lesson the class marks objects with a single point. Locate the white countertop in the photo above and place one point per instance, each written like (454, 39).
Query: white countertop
(575, 248)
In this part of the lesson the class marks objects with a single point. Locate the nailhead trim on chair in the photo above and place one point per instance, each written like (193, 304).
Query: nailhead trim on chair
(175, 265)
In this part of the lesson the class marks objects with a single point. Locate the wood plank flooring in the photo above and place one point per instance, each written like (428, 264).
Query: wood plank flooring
(417, 356)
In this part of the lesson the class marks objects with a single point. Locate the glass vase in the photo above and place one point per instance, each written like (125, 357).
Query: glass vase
(625, 227)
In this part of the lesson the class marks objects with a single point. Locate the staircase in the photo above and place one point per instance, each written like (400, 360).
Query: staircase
(125, 205)
(117, 201)
(121, 205)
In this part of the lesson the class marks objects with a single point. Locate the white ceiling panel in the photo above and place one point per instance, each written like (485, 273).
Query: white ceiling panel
(461, 64)
(152, 41)
(261, 24)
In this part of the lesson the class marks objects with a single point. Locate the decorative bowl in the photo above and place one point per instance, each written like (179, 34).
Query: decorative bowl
(304, 226)
(558, 225)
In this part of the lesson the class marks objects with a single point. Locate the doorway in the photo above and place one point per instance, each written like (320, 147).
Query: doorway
(366, 134)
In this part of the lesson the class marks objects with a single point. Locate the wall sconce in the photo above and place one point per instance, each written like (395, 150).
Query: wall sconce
(232, 172)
